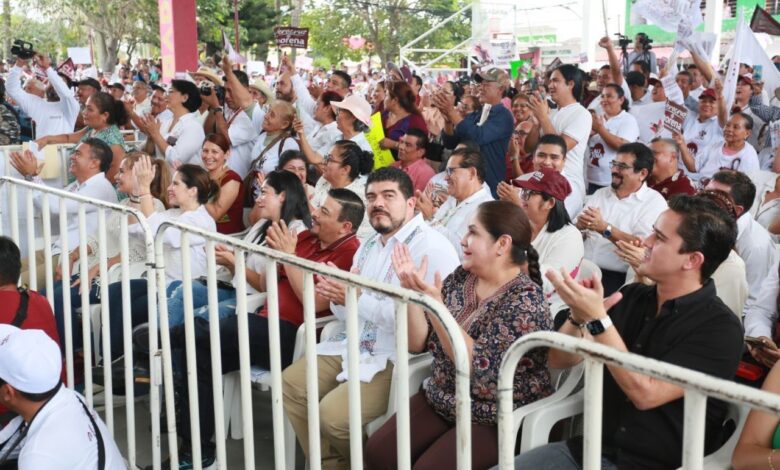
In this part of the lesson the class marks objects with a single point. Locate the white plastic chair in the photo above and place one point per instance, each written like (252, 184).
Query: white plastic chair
(721, 458)
(587, 269)
(536, 431)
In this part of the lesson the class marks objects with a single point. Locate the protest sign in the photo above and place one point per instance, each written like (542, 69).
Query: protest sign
(674, 117)
(304, 63)
(382, 157)
(67, 68)
(80, 55)
(255, 67)
(515, 68)
(287, 36)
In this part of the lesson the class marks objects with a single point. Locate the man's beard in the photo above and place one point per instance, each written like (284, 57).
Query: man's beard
(384, 229)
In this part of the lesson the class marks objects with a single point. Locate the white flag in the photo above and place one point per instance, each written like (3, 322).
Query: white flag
(234, 56)
(748, 50)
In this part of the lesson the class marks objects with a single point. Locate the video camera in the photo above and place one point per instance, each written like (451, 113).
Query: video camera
(22, 49)
(623, 40)
(645, 41)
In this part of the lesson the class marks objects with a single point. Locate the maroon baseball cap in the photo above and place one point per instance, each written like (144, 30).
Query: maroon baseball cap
(545, 180)
(746, 78)
(709, 93)
(654, 81)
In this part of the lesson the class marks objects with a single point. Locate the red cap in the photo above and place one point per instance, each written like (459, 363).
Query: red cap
(545, 180)
(709, 93)
(746, 78)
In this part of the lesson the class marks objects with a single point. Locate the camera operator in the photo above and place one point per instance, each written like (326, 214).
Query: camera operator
(51, 117)
(642, 45)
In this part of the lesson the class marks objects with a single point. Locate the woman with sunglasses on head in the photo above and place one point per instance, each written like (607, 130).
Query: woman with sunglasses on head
(555, 238)
(496, 297)
(345, 167)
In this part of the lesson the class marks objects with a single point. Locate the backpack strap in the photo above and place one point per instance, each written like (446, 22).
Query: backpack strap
(21, 313)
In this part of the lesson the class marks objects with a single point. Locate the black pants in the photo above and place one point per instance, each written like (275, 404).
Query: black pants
(612, 281)
(259, 355)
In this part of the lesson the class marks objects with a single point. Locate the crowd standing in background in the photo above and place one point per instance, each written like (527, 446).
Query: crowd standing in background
(498, 196)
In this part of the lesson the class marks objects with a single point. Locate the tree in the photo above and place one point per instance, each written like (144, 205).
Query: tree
(388, 24)
(112, 21)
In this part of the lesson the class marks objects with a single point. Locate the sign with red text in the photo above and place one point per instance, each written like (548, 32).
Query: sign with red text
(287, 36)
(674, 117)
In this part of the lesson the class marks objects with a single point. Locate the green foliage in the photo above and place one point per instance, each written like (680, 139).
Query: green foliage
(49, 37)
(389, 24)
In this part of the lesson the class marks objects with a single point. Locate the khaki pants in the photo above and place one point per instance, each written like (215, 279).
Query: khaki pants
(334, 406)
(40, 269)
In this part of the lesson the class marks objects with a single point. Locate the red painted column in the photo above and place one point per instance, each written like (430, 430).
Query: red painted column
(178, 37)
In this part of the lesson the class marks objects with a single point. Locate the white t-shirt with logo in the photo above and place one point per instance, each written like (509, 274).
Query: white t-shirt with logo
(574, 121)
(650, 121)
(62, 436)
(712, 159)
(600, 155)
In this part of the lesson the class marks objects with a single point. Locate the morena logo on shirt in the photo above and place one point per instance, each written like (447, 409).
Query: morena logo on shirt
(4, 339)
(596, 153)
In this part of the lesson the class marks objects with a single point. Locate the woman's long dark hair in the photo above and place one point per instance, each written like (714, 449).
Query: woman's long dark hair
(295, 205)
(558, 216)
(504, 218)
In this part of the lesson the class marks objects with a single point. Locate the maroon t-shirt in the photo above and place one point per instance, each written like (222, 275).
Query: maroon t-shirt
(233, 220)
(675, 184)
(39, 313)
(339, 253)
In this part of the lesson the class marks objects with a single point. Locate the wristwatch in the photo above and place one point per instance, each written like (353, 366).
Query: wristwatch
(596, 327)
(607, 231)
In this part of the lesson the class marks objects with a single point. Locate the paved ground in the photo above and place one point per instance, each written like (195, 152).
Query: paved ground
(264, 445)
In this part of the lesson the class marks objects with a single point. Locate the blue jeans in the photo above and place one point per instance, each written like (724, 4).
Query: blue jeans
(75, 302)
(555, 456)
(200, 302)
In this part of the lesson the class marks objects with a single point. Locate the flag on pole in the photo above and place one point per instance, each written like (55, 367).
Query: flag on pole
(234, 56)
(762, 22)
(747, 50)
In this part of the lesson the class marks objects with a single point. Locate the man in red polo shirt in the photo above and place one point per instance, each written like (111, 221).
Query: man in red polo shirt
(331, 240)
(667, 177)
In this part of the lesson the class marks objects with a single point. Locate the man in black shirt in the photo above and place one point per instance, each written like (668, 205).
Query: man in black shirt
(679, 320)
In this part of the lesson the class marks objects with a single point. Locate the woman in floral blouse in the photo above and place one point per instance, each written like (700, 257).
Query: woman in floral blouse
(496, 297)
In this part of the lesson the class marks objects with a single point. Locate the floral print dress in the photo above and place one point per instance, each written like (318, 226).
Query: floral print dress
(517, 308)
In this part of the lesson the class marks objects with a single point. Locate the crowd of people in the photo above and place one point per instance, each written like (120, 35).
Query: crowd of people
(502, 198)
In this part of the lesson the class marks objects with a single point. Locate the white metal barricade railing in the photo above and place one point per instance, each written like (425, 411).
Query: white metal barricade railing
(102, 208)
(354, 282)
(698, 386)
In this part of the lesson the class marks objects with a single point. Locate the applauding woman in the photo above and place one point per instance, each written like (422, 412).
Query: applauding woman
(102, 117)
(496, 297)
(188, 193)
(177, 138)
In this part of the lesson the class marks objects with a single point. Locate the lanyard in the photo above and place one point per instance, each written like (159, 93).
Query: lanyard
(25, 427)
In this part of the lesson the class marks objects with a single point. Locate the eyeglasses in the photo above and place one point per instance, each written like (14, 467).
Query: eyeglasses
(620, 165)
(525, 194)
(329, 158)
(451, 169)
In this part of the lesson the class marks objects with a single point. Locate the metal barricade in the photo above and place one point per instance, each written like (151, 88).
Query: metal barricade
(68, 204)
(698, 386)
(354, 282)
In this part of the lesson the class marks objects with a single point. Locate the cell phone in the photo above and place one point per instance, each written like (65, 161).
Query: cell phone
(758, 72)
(757, 342)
